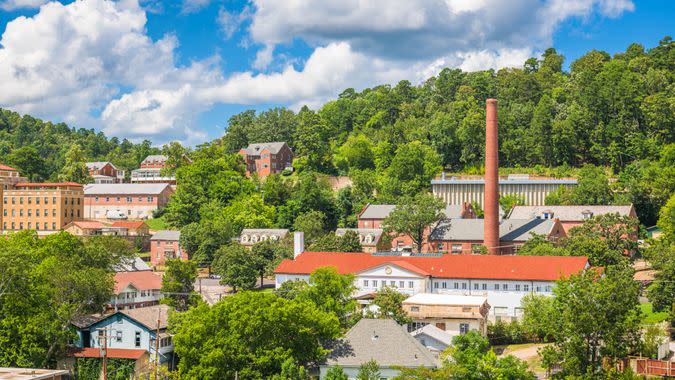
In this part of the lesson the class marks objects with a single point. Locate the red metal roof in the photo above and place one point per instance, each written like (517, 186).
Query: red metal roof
(141, 280)
(544, 268)
(113, 353)
(47, 184)
(129, 224)
(5, 167)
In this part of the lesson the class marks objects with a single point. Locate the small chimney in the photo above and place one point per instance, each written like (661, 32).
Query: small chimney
(491, 222)
(298, 243)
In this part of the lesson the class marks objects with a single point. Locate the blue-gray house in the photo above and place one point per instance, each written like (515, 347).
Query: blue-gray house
(128, 329)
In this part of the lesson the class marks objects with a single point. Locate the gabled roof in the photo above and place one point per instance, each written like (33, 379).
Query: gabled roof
(568, 213)
(141, 280)
(472, 229)
(155, 157)
(8, 168)
(147, 316)
(435, 333)
(266, 231)
(96, 165)
(534, 268)
(382, 340)
(112, 353)
(166, 235)
(125, 188)
(86, 224)
(129, 224)
(273, 147)
(375, 233)
(132, 265)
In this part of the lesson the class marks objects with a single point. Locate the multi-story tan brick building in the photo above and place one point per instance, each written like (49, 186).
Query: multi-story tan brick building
(44, 206)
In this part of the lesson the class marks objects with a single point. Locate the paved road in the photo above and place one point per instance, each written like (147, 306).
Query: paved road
(212, 291)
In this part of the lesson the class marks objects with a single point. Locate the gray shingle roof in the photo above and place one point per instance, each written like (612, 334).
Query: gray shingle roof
(166, 235)
(274, 147)
(472, 229)
(382, 340)
(382, 211)
(155, 157)
(567, 213)
(98, 164)
(132, 265)
(125, 188)
(148, 315)
(434, 332)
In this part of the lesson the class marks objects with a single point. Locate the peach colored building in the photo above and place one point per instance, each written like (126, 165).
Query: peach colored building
(165, 244)
(10, 177)
(43, 206)
(125, 200)
(267, 158)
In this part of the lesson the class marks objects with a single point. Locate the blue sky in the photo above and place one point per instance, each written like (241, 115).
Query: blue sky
(177, 70)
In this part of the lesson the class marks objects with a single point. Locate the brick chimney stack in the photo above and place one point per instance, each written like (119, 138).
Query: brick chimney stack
(491, 225)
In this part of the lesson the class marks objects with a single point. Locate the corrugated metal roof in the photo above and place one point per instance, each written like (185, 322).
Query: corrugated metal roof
(125, 188)
(434, 332)
(568, 213)
(505, 181)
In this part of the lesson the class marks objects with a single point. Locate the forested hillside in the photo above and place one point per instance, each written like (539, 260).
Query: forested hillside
(39, 148)
(616, 112)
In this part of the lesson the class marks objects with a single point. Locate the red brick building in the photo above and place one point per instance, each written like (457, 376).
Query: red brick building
(105, 172)
(267, 158)
(372, 216)
(125, 200)
(165, 245)
(570, 216)
(465, 236)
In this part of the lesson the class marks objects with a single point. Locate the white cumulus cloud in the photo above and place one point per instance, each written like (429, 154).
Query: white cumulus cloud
(91, 62)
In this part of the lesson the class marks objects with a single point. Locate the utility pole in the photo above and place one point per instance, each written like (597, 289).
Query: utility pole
(159, 311)
(105, 351)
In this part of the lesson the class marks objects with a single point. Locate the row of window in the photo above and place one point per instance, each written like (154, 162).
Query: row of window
(132, 295)
(29, 212)
(393, 284)
(484, 286)
(128, 199)
(29, 200)
(30, 226)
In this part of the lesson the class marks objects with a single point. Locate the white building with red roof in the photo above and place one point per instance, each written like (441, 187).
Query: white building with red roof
(136, 289)
(504, 280)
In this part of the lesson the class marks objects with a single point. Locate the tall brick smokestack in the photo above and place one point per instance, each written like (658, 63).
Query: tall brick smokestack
(491, 225)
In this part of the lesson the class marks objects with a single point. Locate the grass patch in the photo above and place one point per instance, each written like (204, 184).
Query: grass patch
(649, 317)
(157, 224)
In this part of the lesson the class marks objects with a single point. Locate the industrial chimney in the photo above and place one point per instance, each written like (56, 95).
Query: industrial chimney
(491, 225)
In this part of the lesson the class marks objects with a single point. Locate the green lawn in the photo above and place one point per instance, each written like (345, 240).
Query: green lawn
(157, 224)
(649, 316)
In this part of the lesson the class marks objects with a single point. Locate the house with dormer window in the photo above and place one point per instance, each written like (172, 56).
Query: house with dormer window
(570, 216)
(251, 236)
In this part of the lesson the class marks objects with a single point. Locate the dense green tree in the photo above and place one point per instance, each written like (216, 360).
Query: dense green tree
(177, 156)
(508, 202)
(369, 370)
(291, 371)
(537, 314)
(249, 211)
(356, 153)
(178, 284)
(593, 318)
(236, 266)
(389, 304)
(267, 255)
(331, 292)
(251, 334)
(44, 284)
(335, 373)
(412, 167)
(330, 242)
(75, 169)
(312, 223)
(619, 232)
(413, 215)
